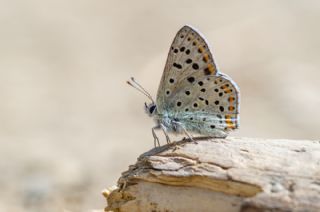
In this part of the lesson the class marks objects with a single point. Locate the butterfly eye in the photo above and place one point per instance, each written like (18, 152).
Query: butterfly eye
(152, 108)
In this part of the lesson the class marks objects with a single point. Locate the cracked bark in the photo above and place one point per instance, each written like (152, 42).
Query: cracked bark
(233, 174)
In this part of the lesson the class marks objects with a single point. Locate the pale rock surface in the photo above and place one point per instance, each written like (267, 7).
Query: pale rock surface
(233, 174)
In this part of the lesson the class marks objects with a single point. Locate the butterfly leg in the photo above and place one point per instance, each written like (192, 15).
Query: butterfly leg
(186, 132)
(165, 133)
(155, 137)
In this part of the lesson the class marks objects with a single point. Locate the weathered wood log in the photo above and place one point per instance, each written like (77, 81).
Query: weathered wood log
(233, 174)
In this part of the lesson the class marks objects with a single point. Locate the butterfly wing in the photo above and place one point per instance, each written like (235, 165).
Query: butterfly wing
(188, 53)
(193, 91)
(208, 104)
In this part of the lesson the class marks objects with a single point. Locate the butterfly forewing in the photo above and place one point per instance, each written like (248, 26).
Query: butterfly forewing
(193, 91)
(188, 53)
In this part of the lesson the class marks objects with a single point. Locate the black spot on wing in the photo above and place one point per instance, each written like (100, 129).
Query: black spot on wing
(191, 79)
(207, 71)
(177, 65)
(195, 66)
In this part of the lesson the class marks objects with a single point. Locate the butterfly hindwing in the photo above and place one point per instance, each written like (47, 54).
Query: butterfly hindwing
(208, 103)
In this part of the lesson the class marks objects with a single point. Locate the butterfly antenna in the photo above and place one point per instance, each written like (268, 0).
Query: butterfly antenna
(137, 86)
(140, 86)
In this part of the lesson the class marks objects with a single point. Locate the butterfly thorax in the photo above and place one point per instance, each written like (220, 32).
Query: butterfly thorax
(168, 121)
(161, 119)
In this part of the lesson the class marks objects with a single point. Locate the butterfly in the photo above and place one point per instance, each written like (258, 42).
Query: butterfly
(193, 96)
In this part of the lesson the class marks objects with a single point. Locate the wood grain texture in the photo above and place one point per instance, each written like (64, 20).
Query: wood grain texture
(233, 174)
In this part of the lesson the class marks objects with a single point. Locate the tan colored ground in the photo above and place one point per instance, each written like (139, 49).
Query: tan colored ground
(68, 122)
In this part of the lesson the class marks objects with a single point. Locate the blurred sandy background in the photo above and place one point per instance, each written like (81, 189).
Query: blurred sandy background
(69, 125)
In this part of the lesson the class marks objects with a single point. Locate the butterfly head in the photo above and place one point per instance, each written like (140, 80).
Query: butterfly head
(150, 108)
